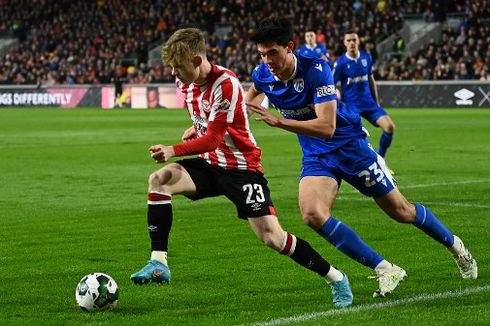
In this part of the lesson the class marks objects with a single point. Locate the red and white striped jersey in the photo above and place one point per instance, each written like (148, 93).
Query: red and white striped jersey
(222, 99)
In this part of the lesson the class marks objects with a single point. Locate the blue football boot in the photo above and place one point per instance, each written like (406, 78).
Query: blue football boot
(342, 293)
(154, 271)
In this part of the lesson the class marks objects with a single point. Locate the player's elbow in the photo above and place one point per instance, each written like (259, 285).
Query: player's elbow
(328, 132)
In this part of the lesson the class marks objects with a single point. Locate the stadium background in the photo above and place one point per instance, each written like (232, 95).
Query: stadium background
(73, 196)
(53, 45)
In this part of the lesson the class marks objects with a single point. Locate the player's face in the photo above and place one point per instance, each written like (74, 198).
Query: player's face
(187, 71)
(310, 38)
(277, 57)
(351, 42)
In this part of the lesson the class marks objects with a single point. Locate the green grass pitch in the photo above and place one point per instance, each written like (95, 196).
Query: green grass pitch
(73, 201)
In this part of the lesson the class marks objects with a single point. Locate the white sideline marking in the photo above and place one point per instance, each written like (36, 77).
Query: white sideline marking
(437, 203)
(428, 185)
(372, 306)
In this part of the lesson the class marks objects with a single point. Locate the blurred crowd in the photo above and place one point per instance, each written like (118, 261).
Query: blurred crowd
(92, 42)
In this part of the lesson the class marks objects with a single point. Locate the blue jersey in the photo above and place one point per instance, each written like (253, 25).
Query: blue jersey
(318, 51)
(353, 75)
(312, 83)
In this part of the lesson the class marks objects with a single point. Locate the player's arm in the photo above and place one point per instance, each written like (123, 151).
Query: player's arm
(254, 97)
(207, 143)
(374, 89)
(322, 126)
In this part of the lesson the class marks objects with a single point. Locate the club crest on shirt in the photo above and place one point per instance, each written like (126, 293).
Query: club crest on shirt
(222, 106)
(271, 87)
(299, 84)
(364, 62)
(206, 105)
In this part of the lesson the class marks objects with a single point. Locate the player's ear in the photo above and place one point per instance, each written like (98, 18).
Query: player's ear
(290, 46)
(197, 60)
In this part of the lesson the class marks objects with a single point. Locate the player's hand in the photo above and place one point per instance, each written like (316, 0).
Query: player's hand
(189, 134)
(265, 115)
(161, 153)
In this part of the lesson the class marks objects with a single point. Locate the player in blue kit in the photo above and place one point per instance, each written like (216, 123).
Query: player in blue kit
(335, 148)
(353, 71)
(313, 49)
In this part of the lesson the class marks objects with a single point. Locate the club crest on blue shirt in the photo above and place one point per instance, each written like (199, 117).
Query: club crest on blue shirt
(299, 84)
(364, 62)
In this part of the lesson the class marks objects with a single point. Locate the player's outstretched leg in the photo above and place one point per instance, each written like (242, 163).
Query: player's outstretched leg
(389, 279)
(301, 252)
(465, 261)
(154, 271)
(341, 292)
(430, 224)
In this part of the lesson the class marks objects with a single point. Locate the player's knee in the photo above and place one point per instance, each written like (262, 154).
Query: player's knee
(158, 178)
(403, 214)
(390, 128)
(270, 239)
(313, 219)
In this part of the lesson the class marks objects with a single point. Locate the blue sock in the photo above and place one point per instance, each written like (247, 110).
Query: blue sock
(348, 242)
(428, 222)
(384, 143)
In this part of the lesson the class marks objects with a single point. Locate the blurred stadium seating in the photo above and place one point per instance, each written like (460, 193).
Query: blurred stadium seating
(86, 42)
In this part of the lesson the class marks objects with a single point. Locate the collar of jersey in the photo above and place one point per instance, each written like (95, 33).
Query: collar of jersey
(294, 73)
(351, 58)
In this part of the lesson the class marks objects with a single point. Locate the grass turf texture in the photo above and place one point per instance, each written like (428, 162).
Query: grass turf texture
(73, 201)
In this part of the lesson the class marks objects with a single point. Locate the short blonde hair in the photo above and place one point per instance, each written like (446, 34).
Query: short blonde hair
(183, 45)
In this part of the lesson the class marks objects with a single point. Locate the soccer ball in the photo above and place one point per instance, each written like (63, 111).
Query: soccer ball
(97, 291)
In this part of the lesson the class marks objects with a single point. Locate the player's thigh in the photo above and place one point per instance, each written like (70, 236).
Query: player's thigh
(316, 196)
(173, 179)
(365, 169)
(248, 191)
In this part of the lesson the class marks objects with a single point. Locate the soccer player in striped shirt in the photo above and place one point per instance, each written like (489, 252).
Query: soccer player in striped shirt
(229, 164)
(335, 148)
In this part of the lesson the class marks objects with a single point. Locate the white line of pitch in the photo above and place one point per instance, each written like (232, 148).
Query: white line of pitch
(428, 185)
(438, 203)
(372, 306)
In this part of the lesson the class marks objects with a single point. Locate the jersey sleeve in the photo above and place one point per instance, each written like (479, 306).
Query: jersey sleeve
(255, 79)
(370, 63)
(321, 81)
(226, 99)
(336, 72)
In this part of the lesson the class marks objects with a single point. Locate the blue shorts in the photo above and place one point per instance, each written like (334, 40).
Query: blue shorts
(355, 162)
(371, 113)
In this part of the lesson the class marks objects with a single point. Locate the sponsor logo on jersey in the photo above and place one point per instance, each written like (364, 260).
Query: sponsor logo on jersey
(296, 113)
(271, 87)
(319, 66)
(464, 96)
(357, 79)
(325, 90)
(223, 106)
(200, 124)
(299, 84)
(256, 206)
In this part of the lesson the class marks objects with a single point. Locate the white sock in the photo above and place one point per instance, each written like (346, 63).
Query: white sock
(383, 266)
(334, 275)
(160, 256)
(458, 246)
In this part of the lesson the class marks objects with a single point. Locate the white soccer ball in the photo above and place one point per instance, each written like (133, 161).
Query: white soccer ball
(97, 291)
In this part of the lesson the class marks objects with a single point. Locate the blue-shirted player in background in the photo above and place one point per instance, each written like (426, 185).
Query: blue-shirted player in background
(313, 49)
(335, 148)
(353, 71)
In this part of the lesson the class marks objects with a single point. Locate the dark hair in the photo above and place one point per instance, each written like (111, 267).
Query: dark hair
(273, 29)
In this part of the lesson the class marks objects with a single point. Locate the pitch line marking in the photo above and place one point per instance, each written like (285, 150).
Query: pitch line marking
(372, 306)
(428, 185)
(438, 203)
